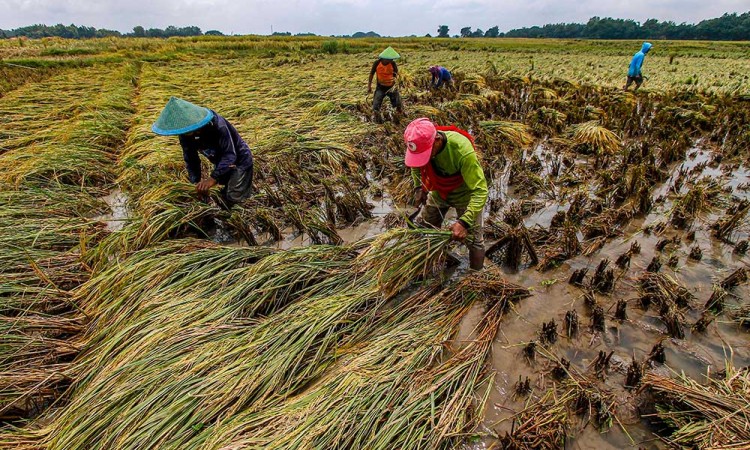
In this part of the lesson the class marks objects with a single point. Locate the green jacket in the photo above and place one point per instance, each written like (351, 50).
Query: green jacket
(458, 155)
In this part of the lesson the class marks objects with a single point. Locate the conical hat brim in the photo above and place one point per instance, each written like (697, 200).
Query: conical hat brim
(180, 116)
(389, 53)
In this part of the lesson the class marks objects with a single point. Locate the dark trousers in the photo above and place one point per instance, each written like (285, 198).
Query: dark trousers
(384, 91)
(637, 80)
(238, 186)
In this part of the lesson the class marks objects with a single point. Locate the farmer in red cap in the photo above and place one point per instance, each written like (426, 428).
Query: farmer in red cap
(447, 174)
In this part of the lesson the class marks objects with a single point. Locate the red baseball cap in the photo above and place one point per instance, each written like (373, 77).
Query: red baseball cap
(419, 137)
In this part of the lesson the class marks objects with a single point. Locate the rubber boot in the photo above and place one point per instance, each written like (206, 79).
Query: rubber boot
(476, 259)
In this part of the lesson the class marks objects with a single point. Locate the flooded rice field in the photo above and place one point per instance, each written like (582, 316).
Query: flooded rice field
(615, 287)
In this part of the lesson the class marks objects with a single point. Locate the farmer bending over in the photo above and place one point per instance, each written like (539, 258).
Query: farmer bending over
(203, 131)
(634, 72)
(440, 76)
(447, 174)
(387, 71)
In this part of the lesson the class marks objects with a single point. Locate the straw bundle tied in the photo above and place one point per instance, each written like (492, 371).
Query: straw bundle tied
(710, 415)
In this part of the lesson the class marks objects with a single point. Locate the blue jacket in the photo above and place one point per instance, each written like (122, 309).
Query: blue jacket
(637, 61)
(438, 80)
(218, 141)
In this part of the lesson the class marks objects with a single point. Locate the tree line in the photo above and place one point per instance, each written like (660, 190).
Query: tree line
(82, 32)
(729, 27)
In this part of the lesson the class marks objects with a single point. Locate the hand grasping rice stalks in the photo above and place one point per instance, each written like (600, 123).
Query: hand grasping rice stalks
(713, 414)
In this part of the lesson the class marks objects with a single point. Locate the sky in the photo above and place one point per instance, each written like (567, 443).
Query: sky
(340, 17)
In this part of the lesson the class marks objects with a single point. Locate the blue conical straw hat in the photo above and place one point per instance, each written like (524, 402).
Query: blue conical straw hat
(180, 117)
(389, 53)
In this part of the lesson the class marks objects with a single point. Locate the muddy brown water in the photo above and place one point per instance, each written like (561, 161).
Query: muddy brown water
(552, 297)
(633, 338)
(119, 211)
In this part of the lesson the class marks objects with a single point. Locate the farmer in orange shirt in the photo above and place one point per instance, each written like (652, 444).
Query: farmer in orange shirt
(387, 71)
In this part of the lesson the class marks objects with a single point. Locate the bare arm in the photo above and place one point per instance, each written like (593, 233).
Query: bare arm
(372, 73)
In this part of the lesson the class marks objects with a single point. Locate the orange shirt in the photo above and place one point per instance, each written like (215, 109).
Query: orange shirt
(385, 74)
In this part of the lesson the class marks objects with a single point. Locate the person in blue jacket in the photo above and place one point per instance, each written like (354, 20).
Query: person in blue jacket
(634, 72)
(203, 132)
(440, 76)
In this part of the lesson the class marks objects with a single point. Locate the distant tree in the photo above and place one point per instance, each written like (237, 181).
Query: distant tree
(426, 35)
(216, 33)
(733, 26)
(477, 33)
(278, 33)
(369, 34)
(103, 32)
(727, 27)
(87, 32)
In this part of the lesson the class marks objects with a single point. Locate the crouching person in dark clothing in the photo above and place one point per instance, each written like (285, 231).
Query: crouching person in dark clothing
(202, 131)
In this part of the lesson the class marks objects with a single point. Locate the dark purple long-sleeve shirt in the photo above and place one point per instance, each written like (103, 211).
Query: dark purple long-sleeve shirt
(218, 141)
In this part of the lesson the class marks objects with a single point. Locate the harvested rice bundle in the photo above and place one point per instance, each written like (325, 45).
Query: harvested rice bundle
(501, 137)
(591, 137)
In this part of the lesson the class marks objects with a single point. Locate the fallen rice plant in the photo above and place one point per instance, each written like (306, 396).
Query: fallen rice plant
(711, 414)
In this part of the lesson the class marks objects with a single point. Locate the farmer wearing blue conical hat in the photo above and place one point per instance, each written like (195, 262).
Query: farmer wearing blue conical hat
(634, 71)
(386, 70)
(202, 131)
